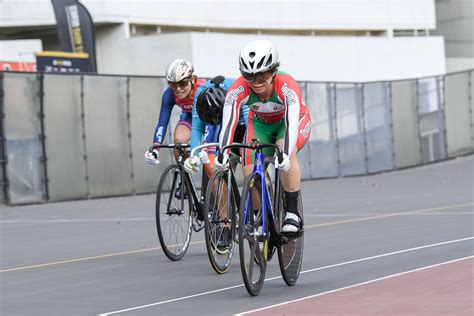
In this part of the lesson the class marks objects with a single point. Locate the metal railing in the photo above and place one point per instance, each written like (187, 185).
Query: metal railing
(80, 136)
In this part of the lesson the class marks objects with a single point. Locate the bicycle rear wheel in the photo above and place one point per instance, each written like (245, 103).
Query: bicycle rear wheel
(173, 213)
(252, 245)
(290, 252)
(219, 214)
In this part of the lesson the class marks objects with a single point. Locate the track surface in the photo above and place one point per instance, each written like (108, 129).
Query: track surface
(395, 243)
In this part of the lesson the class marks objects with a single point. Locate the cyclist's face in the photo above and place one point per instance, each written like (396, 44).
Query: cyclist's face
(181, 88)
(261, 83)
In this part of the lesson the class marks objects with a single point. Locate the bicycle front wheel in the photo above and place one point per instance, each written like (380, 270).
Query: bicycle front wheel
(219, 210)
(290, 252)
(173, 213)
(252, 244)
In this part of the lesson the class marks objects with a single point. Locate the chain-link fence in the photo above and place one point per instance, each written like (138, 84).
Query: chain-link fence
(68, 137)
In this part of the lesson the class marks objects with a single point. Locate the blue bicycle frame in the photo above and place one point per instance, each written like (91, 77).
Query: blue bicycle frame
(259, 168)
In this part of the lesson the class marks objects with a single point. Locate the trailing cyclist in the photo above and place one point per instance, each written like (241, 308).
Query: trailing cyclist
(182, 88)
(277, 115)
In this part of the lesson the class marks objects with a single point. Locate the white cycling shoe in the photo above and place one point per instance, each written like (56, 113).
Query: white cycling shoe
(291, 224)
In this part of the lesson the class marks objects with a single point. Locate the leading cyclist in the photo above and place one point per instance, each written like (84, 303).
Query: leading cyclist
(277, 115)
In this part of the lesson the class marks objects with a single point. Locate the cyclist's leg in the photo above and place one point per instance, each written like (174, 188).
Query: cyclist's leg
(182, 132)
(291, 180)
(247, 155)
(223, 213)
(209, 167)
(265, 133)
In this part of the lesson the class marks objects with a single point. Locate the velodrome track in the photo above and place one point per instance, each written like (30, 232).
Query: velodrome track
(102, 256)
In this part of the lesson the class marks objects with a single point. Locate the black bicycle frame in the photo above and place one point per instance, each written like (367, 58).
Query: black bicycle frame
(188, 180)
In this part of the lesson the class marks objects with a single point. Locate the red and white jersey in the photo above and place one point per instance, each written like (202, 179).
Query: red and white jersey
(284, 103)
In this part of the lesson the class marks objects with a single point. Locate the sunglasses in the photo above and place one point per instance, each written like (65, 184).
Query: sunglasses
(181, 84)
(260, 77)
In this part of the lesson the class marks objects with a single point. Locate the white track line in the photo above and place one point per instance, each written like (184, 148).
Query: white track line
(278, 277)
(354, 285)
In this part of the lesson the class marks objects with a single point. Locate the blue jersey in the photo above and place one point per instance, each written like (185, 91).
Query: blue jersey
(168, 101)
(211, 132)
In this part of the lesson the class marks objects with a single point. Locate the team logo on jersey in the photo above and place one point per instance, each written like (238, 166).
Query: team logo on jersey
(306, 130)
(278, 107)
(289, 94)
(159, 133)
(232, 96)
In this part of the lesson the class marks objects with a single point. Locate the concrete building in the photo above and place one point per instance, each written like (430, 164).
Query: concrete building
(318, 40)
(455, 22)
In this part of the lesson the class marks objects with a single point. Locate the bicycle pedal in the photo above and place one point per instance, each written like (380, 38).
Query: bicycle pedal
(175, 211)
(286, 237)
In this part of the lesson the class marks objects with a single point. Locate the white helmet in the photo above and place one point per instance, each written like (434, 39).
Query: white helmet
(179, 69)
(258, 56)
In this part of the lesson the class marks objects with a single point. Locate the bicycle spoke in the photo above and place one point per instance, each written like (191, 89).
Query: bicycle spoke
(252, 259)
(290, 253)
(220, 247)
(173, 214)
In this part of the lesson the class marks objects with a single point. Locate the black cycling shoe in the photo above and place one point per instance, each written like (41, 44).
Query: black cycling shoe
(178, 192)
(200, 212)
(225, 238)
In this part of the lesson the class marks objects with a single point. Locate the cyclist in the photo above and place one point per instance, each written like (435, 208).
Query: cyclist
(277, 115)
(182, 88)
(206, 122)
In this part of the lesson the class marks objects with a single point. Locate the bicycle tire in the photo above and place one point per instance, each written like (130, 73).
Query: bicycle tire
(173, 213)
(290, 251)
(217, 200)
(252, 246)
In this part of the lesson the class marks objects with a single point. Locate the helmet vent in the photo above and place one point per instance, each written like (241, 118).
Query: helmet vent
(260, 63)
(242, 63)
(252, 54)
(269, 61)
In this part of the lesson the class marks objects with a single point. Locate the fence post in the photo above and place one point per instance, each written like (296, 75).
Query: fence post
(3, 155)
(471, 104)
(83, 124)
(390, 117)
(441, 95)
(418, 121)
(42, 136)
(132, 174)
(333, 88)
(364, 127)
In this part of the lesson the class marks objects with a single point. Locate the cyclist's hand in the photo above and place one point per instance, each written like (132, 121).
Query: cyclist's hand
(152, 157)
(191, 164)
(222, 165)
(284, 165)
(203, 156)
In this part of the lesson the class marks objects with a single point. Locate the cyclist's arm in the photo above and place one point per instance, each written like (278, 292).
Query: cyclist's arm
(230, 117)
(197, 125)
(291, 94)
(212, 136)
(167, 103)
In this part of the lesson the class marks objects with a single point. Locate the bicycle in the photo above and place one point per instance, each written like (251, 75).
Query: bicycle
(220, 213)
(260, 222)
(179, 208)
